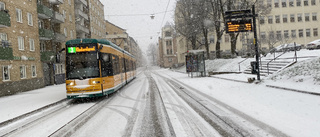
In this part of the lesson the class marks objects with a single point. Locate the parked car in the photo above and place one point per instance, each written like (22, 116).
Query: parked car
(286, 47)
(279, 48)
(313, 45)
(292, 47)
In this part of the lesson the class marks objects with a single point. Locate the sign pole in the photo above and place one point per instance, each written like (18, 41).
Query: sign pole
(255, 41)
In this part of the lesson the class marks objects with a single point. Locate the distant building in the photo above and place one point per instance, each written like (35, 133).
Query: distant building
(168, 47)
(117, 35)
(120, 37)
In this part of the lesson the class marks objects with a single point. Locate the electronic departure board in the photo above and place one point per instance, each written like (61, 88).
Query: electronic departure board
(238, 26)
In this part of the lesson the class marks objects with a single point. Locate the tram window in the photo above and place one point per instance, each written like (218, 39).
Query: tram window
(115, 63)
(106, 65)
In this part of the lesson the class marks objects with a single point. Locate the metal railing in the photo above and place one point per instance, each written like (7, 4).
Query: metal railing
(241, 62)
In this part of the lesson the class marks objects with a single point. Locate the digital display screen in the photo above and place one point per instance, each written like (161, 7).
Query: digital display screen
(239, 26)
(81, 49)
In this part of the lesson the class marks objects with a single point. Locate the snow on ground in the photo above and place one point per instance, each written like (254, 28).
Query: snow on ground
(294, 113)
(304, 75)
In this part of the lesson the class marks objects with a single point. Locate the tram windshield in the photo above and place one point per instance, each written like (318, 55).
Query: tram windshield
(82, 65)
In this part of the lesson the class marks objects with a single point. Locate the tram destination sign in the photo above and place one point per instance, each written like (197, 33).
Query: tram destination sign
(238, 26)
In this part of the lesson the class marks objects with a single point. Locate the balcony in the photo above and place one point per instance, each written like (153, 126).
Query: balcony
(84, 2)
(82, 28)
(48, 56)
(57, 18)
(46, 34)
(82, 14)
(44, 12)
(56, 2)
(59, 37)
(4, 19)
(6, 52)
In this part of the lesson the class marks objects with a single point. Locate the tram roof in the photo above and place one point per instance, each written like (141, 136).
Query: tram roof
(101, 41)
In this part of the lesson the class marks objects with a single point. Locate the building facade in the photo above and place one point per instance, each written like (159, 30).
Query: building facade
(20, 65)
(168, 55)
(97, 22)
(33, 35)
(289, 21)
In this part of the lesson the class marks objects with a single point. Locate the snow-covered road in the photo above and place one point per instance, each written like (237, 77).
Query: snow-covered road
(162, 102)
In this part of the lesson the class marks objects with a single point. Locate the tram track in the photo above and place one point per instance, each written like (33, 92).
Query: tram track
(48, 116)
(226, 120)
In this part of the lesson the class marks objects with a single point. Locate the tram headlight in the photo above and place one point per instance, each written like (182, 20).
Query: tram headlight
(95, 82)
(70, 84)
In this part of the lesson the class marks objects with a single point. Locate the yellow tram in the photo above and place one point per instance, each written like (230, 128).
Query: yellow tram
(96, 67)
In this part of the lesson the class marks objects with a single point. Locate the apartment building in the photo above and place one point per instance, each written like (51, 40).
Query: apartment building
(290, 21)
(33, 35)
(168, 55)
(97, 22)
(117, 35)
(20, 65)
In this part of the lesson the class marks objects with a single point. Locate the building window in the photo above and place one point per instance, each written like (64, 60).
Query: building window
(270, 19)
(59, 69)
(33, 71)
(19, 15)
(277, 18)
(305, 2)
(2, 6)
(31, 43)
(269, 3)
(279, 36)
(315, 32)
(30, 21)
(276, 3)
(41, 24)
(299, 16)
(285, 18)
(211, 38)
(293, 34)
(286, 34)
(298, 2)
(284, 3)
(23, 72)
(314, 16)
(226, 38)
(307, 17)
(21, 43)
(70, 17)
(313, 2)
(271, 35)
(300, 33)
(5, 73)
(71, 34)
(261, 20)
(167, 51)
(168, 43)
(42, 47)
(292, 18)
(65, 32)
(291, 3)
(308, 33)
(263, 36)
(3, 37)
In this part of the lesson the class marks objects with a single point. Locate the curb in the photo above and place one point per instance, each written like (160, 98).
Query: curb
(296, 90)
(230, 79)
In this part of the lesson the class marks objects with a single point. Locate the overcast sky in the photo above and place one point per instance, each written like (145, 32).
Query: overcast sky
(134, 16)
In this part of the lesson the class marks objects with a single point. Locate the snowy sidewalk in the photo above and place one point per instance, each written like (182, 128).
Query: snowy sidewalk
(21, 103)
(303, 87)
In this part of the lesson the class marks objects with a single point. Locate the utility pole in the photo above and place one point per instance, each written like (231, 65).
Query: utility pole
(255, 39)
